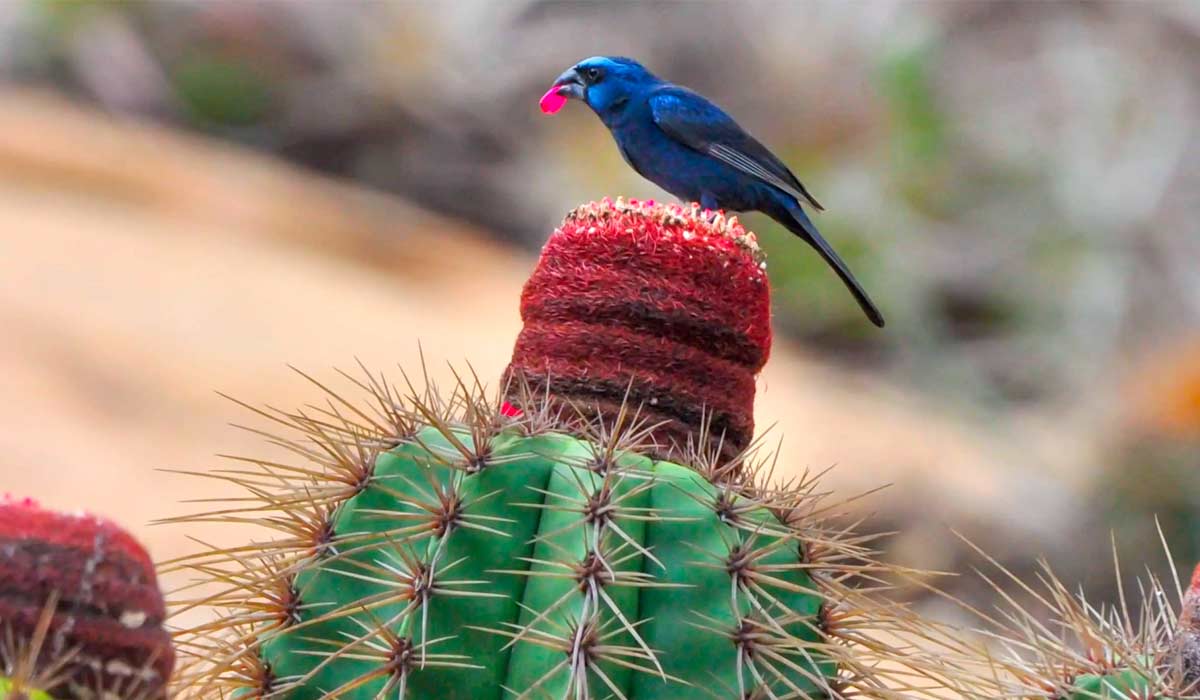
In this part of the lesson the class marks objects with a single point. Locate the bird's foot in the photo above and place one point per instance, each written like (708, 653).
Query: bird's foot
(708, 207)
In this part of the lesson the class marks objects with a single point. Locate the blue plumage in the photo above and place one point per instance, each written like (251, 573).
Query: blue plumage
(688, 146)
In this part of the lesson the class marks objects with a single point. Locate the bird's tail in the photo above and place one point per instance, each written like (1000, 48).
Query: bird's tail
(798, 223)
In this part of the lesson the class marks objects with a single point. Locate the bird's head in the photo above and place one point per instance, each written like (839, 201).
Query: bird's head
(605, 83)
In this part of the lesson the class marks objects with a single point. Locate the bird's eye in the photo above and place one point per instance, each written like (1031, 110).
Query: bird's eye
(592, 74)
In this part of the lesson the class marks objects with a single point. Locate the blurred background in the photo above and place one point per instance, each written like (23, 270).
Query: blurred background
(195, 194)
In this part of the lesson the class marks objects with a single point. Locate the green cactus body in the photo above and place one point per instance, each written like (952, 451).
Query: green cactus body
(7, 692)
(545, 568)
(1118, 685)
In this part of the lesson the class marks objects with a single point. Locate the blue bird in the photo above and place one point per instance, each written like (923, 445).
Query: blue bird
(688, 146)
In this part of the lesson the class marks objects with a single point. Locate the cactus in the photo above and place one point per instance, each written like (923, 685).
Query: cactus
(1059, 646)
(602, 528)
(80, 610)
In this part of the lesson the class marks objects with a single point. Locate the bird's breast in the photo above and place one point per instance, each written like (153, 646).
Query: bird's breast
(658, 158)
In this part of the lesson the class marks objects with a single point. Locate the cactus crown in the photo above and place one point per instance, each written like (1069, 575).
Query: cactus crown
(662, 306)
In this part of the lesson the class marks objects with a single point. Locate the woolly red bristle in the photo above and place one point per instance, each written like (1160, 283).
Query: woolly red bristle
(669, 303)
(109, 608)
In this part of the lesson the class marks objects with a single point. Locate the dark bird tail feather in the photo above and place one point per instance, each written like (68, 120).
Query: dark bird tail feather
(798, 223)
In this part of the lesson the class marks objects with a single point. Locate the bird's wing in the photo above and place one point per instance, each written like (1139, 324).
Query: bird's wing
(700, 125)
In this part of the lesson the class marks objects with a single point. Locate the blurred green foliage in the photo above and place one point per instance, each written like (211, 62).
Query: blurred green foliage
(906, 83)
(221, 90)
(59, 17)
(1159, 477)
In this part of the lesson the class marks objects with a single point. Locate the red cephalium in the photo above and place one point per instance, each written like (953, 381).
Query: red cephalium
(109, 614)
(666, 304)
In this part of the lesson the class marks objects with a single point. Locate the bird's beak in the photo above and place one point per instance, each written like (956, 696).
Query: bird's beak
(569, 85)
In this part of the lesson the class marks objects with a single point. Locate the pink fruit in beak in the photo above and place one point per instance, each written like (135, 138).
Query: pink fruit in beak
(551, 102)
